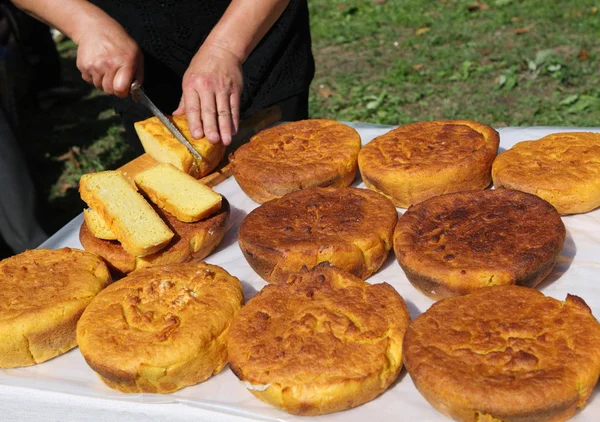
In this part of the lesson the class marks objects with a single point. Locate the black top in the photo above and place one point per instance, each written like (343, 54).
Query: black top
(171, 31)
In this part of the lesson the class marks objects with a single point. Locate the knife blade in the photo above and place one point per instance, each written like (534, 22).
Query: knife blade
(139, 96)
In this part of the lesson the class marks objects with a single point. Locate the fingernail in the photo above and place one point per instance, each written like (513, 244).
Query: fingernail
(197, 133)
(226, 139)
(214, 136)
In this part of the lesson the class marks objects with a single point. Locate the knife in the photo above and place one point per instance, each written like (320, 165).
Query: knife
(139, 96)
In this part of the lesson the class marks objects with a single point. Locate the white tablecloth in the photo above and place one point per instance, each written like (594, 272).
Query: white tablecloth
(65, 388)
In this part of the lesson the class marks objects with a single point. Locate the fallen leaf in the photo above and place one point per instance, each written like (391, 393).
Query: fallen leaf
(66, 156)
(554, 68)
(594, 10)
(569, 100)
(525, 29)
(583, 103)
(325, 92)
(418, 67)
(542, 56)
(477, 6)
(342, 6)
(65, 187)
(486, 52)
(422, 30)
(583, 55)
(515, 19)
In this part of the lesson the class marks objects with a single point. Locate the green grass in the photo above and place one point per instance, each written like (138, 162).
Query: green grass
(530, 62)
(508, 62)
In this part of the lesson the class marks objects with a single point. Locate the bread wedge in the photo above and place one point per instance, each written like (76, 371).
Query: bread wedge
(129, 216)
(97, 225)
(161, 145)
(178, 193)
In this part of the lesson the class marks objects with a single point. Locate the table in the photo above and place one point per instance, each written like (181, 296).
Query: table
(65, 388)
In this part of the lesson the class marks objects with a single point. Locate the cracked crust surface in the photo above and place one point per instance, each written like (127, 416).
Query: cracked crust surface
(322, 342)
(563, 169)
(456, 243)
(42, 294)
(348, 227)
(295, 156)
(505, 352)
(192, 242)
(160, 328)
(418, 161)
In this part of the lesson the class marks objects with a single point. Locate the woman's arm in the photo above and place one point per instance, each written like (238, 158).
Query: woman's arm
(213, 81)
(106, 56)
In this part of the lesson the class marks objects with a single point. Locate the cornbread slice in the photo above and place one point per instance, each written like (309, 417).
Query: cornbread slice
(192, 243)
(130, 217)
(178, 193)
(161, 145)
(97, 225)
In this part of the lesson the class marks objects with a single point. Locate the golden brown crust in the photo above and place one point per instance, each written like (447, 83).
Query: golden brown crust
(421, 160)
(322, 342)
(348, 227)
(505, 352)
(161, 328)
(295, 156)
(176, 153)
(42, 294)
(456, 243)
(563, 169)
(192, 242)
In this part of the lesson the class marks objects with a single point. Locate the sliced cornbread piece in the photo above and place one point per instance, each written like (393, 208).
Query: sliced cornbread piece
(178, 193)
(161, 145)
(97, 225)
(192, 243)
(130, 217)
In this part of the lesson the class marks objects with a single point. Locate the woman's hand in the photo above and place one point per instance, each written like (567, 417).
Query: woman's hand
(109, 58)
(212, 86)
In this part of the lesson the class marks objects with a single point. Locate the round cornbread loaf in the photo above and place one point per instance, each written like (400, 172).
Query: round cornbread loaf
(348, 227)
(160, 328)
(295, 156)
(323, 341)
(563, 169)
(453, 244)
(505, 353)
(192, 242)
(421, 160)
(42, 295)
